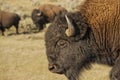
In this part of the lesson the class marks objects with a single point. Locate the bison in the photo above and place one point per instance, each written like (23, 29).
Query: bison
(89, 35)
(46, 14)
(8, 19)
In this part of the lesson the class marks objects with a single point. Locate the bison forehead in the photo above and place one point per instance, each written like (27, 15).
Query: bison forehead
(54, 33)
(57, 28)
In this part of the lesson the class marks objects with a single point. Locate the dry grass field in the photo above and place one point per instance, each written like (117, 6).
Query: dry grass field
(22, 57)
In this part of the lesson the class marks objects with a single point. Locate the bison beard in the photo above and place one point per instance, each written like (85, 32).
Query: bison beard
(69, 54)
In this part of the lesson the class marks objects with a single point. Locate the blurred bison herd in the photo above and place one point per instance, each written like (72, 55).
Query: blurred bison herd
(40, 16)
(75, 39)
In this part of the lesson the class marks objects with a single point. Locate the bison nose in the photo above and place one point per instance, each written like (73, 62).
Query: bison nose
(51, 67)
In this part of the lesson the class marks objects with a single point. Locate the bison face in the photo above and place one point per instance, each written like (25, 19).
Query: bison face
(39, 18)
(63, 55)
(65, 45)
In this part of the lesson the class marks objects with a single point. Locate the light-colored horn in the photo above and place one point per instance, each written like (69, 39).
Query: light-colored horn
(71, 30)
(38, 14)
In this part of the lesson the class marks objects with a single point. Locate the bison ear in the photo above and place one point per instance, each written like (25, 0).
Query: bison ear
(79, 29)
(70, 31)
(83, 30)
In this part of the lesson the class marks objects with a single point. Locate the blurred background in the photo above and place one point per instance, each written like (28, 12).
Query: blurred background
(22, 57)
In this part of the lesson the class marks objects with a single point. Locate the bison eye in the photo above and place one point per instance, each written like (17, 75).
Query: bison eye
(62, 43)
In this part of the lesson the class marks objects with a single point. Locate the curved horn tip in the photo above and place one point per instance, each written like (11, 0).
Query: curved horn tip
(68, 33)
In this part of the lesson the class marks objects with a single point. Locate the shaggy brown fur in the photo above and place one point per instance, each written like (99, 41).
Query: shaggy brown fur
(96, 39)
(51, 10)
(7, 19)
(48, 13)
(104, 16)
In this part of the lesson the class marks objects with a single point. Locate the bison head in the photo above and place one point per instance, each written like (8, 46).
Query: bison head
(67, 44)
(39, 18)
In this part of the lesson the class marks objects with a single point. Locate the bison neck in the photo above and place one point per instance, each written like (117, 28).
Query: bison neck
(97, 53)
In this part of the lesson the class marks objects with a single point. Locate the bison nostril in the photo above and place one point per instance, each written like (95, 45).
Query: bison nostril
(51, 67)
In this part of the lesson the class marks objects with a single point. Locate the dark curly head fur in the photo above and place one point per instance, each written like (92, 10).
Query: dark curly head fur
(66, 53)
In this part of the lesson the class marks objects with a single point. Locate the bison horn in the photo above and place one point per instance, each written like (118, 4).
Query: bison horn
(38, 14)
(71, 30)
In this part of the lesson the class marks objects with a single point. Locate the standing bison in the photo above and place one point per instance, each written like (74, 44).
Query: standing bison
(8, 19)
(90, 35)
(45, 14)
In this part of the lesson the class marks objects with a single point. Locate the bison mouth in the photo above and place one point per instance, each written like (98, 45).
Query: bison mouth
(55, 69)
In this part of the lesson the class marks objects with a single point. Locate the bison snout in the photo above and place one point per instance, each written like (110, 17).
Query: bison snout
(51, 67)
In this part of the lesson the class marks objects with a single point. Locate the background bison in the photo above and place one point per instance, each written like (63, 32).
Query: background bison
(91, 35)
(8, 19)
(45, 14)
